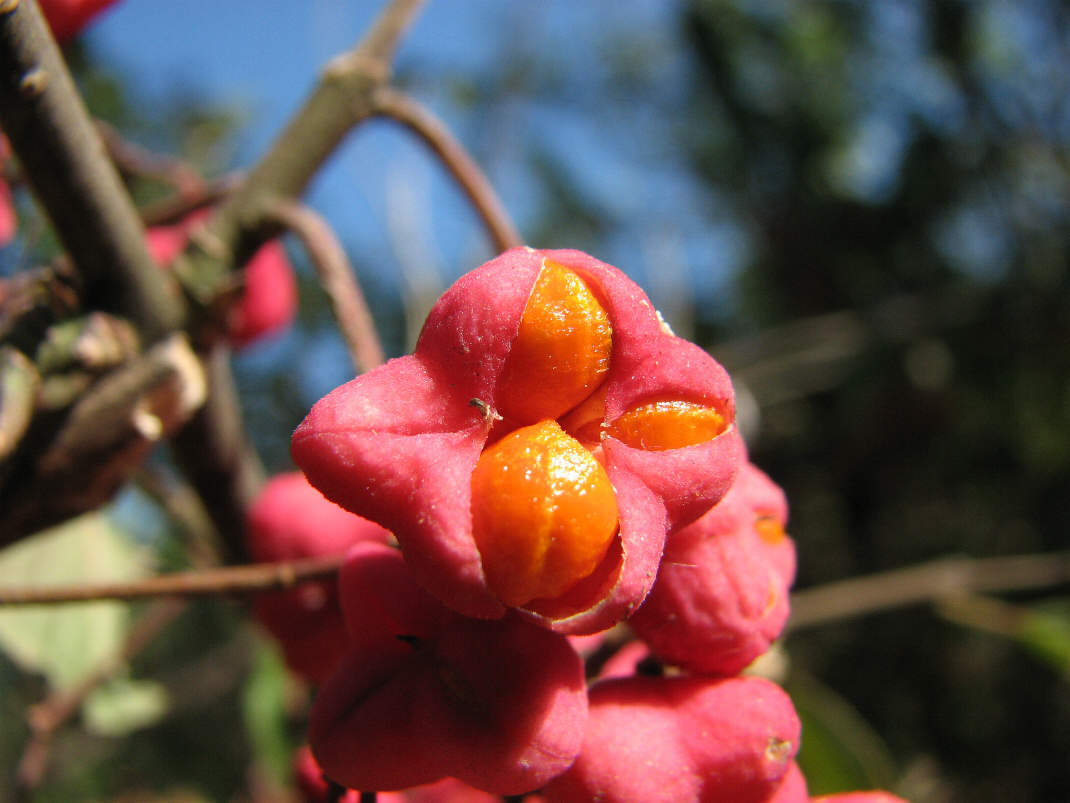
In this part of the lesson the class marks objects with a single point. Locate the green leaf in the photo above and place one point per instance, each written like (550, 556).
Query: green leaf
(1045, 632)
(264, 712)
(840, 750)
(64, 642)
(125, 705)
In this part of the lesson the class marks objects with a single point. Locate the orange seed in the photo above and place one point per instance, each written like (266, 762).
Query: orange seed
(561, 352)
(543, 513)
(769, 529)
(667, 425)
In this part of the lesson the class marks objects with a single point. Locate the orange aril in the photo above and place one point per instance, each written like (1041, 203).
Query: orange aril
(561, 351)
(667, 425)
(769, 529)
(543, 513)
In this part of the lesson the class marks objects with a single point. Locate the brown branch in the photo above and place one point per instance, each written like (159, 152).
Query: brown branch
(247, 579)
(212, 449)
(65, 162)
(927, 583)
(338, 279)
(103, 438)
(51, 714)
(341, 100)
(214, 452)
(403, 109)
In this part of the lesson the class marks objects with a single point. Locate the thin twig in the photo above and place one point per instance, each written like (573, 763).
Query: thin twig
(338, 279)
(247, 579)
(49, 715)
(174, 208)
(927, 583)
(398, 106)
(135, 160)
(65, 162)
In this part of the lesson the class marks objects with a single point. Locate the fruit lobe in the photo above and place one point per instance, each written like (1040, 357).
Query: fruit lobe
(543, 513)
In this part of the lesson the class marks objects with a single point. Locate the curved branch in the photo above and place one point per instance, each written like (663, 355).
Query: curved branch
(927, 583)
(403, 109)
(338, 280)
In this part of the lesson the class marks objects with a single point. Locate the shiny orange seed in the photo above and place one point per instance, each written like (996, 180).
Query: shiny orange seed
(769, 529)
(667, 425)
(561, 352)
(543, 513)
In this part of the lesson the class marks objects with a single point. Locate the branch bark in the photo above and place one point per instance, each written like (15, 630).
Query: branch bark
(66, 164)
(103, 438)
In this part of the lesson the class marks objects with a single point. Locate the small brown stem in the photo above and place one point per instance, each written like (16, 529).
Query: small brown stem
(176, 207)
(338, 279)
(927, 583)
(134, 160)
(246, 579)
(398, 106)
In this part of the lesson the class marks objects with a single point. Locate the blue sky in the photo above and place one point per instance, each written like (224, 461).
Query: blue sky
(263, 57)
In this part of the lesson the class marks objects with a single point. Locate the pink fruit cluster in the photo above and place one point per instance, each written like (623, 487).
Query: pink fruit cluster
(452, 687)
(290, 520)
(268, 300)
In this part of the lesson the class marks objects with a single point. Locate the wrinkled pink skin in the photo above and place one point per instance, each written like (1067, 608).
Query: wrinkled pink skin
(66, 18)
(399, 444)
(291, 520)
(426, 693)
(268, 301)
(876, 796)
(682, 740)
(722, 592)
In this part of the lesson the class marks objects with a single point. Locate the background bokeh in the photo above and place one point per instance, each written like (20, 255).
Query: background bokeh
(861, 208)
